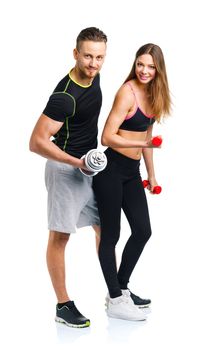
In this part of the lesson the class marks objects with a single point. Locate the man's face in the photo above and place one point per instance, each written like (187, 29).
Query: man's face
(90, 58)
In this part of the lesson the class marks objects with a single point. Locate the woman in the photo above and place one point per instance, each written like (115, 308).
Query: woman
(143, 99)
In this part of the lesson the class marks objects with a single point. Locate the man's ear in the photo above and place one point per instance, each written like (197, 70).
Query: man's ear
(75, 54)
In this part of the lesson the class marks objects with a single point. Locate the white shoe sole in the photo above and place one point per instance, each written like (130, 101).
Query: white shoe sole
(143, 307)
(126, 318)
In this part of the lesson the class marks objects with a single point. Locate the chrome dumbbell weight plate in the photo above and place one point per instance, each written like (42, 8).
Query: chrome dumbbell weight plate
(95, 162)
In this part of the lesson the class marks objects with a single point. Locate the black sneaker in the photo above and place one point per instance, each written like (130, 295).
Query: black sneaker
(69, 315)
(137, 300)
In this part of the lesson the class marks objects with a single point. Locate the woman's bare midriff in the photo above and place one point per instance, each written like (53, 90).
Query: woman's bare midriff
(134, 153)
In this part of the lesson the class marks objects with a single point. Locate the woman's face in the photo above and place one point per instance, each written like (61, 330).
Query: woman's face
(145, 69)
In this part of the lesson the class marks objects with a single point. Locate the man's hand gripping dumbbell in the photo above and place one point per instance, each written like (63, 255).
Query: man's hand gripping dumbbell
(95, 161)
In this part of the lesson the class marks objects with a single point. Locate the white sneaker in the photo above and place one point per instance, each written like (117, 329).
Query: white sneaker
(123, 308)
(125, 292)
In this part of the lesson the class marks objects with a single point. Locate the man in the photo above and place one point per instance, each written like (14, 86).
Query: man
(70, 117)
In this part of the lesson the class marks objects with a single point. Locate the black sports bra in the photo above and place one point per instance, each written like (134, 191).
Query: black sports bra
(137, 121)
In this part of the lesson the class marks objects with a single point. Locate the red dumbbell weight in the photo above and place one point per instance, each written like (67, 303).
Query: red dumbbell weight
(156, 189)
(157, 141)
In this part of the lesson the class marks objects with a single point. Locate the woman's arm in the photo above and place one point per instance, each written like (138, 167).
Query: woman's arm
(149, 163)
(123, 105)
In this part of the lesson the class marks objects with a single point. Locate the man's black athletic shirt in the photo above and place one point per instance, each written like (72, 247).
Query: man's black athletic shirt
(78, 107)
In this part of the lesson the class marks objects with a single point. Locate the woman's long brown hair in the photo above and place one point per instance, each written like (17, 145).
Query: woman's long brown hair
(158, 88)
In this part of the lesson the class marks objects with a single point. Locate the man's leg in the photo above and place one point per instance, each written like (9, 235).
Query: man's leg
(97, 230)
(66, 311)
(67, 192)
(56, 263)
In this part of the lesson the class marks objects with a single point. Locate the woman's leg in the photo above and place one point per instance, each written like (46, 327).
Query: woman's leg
(136, 211)
(108, 191)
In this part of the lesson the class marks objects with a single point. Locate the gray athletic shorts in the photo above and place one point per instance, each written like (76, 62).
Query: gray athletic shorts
(71, 200)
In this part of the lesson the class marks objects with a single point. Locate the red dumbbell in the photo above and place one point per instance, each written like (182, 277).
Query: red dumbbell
(157, 141)
(156, 189)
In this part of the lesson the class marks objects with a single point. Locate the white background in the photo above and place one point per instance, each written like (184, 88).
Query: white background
(37, 39)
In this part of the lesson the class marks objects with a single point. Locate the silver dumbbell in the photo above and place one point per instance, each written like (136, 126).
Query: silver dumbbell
(95, 162)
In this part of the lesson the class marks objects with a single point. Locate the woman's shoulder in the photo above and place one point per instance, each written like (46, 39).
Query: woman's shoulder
(129, 84)
(125, 90)
(124, 96)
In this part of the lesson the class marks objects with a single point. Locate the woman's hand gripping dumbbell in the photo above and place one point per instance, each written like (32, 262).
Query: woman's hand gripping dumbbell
(156, 189)
(155, 142)
(95, 161)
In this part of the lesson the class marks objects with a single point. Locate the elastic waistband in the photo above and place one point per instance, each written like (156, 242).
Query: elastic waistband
(121, 158)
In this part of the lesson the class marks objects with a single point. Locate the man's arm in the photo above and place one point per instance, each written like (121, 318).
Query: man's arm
(41, 144)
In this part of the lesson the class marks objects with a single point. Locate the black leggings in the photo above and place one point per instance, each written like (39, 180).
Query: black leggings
(119, 186)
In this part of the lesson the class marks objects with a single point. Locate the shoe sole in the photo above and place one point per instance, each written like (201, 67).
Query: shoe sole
(145, 310)
(139, 306)
(124, 318)
(143, 306)
(61, 320)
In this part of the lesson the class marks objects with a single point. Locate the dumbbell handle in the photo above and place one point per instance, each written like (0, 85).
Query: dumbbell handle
(156, 189)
